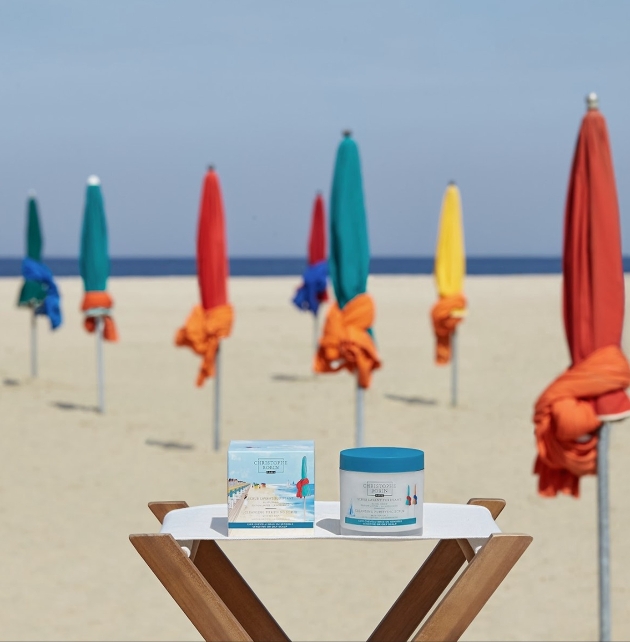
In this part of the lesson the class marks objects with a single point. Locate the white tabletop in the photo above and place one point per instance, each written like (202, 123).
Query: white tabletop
(440, 521)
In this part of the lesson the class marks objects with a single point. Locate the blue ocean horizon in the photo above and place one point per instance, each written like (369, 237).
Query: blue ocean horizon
(294, 266)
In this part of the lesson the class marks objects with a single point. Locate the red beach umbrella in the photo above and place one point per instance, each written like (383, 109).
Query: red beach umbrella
(212, 261)
(211, 321)
(317, 237)
(572, 414)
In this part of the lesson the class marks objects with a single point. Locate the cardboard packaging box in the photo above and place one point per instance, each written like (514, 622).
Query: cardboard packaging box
(271, 487)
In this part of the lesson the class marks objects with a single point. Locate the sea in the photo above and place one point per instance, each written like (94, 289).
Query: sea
(293, 266)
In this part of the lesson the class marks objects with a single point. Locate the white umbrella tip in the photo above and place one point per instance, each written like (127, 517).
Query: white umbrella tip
(94, 180)
(32, 193)
(592, 101)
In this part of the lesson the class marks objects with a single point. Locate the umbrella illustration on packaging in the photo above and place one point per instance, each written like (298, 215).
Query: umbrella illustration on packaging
(304, 488)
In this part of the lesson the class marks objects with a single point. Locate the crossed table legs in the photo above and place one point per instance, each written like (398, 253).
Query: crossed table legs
(222, 606)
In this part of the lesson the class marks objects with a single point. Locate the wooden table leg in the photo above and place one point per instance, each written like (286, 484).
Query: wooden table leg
(229, 584)
(236, 593)
(426, 586)
(187, 586)
(473, 588)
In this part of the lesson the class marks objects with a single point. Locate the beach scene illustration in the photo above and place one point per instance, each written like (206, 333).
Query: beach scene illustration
(269, 485)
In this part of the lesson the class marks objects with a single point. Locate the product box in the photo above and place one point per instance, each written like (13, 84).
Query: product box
(271, 487)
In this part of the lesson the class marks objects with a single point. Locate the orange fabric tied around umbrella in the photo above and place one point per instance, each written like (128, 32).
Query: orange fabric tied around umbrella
(444, 324)
(346, 342)
(94, 300)
(566, 419)
(202, 332)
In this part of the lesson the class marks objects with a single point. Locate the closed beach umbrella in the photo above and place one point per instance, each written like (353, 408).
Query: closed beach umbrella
(347, 341)
(573, 414)
(94, 267)
(303, 487)
(211, 321)
(449, 272)
(39, 291)
(313, 290)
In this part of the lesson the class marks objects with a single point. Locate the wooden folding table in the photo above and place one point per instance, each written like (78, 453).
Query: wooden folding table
(185, 557)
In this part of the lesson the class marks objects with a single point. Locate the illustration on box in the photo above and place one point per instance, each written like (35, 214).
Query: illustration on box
(270, 492)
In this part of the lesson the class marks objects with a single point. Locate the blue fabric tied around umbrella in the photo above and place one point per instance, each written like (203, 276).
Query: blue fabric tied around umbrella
(34, 271)
(307, 295)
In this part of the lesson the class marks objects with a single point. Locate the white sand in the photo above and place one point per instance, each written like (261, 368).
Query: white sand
(74, 484)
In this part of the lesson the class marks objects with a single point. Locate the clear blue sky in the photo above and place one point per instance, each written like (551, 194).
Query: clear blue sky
(147, 93)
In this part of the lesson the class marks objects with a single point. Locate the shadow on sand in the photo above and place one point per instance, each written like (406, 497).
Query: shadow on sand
(291, 377)
(412, 401)
(169, 445)
(10, 382)
(65, 405)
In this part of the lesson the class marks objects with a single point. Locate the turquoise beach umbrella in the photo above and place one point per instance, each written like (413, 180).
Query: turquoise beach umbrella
(94, 268)
(349, 260)
(33, 292)
(94, 257)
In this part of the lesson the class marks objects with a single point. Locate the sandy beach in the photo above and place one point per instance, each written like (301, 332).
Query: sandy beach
(74, 484)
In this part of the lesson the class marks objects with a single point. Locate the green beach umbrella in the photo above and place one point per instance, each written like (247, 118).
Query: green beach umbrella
(94, 268)
(347, 340)
(33, 292)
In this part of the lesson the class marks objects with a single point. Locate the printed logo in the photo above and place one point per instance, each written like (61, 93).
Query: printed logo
(380, 489)
(270, 466)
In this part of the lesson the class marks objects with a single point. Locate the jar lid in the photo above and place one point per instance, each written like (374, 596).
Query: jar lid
(381, 459)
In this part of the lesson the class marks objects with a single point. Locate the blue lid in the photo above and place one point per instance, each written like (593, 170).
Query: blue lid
(380, 459)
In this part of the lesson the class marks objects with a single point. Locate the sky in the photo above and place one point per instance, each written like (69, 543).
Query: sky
(146, 94)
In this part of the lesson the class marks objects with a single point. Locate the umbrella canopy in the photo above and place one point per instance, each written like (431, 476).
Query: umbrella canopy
(571, 409)
(33, 292)
(212, 261)
(94, 255)
(313, 291)
(94, 261)
(317, 236)
(347, 338)
(449, 272)
(349, 246)
(211, 321)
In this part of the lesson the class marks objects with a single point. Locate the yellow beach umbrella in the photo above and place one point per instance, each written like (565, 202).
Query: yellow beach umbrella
(449, 273)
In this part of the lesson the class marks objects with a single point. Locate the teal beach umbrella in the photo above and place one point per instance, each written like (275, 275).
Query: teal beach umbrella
(33, 292)
(94, 268)
(94, 257)
(349, 260)
(39, 291)
(349, 264)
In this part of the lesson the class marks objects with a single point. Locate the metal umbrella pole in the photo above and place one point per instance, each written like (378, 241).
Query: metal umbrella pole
(100, 327)
(359, 416)
(454, 369)
(33, 342)
(603, 527)
(217, 397)
(316, 332)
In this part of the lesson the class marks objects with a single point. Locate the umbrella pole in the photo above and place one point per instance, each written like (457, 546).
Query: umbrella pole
(316, 332)
(454, 368)
(217, 396)
(359, 416)
(33, 343)
(100, 326)
(604, 533)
